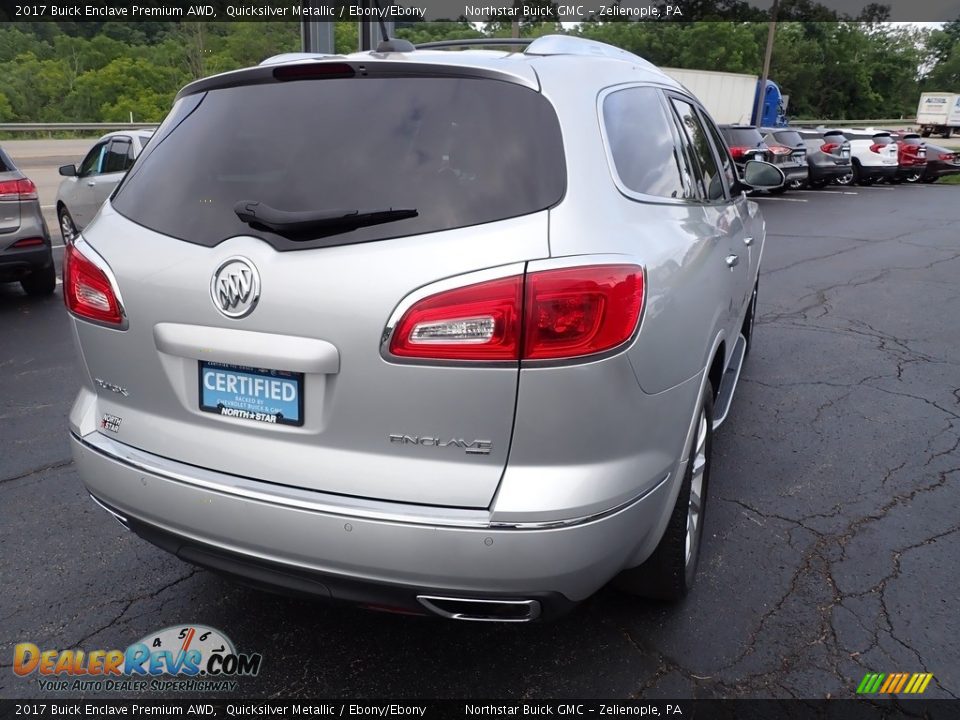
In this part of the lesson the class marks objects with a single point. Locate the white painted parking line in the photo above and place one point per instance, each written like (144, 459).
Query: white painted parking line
(59, 281)
(47, 207)
(778, 199)
(872, 187)
(825, 192)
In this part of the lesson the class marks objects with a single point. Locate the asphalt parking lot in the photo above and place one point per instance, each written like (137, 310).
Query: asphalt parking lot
(832, 544)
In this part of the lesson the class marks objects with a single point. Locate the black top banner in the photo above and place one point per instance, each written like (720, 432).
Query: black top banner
(219, 709)
(480, 11)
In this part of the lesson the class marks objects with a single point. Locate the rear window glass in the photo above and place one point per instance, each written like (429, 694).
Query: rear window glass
(912, 140)
(459, 151)
(790, 138)
(834, 136)
(882, 139)
(742, 137)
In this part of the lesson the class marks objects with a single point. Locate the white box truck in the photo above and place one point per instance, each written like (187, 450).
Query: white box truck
(938, 113)
(728, 97)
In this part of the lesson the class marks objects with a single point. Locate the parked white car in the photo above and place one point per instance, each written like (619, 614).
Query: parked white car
(85, 188)
(873, 154)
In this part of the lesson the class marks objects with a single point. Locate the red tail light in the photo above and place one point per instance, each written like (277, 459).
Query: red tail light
(947, 157)
(551, 314)
(780, 150)
(22, 189)
(876, 148)
(737, 152)
(87, 290)
(830, 147)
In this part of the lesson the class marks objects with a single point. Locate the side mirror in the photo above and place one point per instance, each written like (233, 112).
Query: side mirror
(760, 175)
(68, 170)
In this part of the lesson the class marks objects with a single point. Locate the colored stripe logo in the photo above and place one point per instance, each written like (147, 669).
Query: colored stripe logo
(894, 683)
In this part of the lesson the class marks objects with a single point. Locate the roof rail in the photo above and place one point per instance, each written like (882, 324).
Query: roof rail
(473, 42)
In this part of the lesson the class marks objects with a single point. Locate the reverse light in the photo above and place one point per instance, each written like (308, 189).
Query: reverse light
(829, 147)
(22, 189)
(476, 322)
(546, 315)
(87, 290)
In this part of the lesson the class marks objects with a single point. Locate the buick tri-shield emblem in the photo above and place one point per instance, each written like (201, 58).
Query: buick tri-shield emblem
(235, 287)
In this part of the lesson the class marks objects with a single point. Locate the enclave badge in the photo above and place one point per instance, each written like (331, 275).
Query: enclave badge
(235, 287)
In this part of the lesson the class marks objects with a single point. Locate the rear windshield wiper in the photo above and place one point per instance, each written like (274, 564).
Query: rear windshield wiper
(304, 224)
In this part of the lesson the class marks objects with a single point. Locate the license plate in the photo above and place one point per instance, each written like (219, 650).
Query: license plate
(269, 396)
(845, 153)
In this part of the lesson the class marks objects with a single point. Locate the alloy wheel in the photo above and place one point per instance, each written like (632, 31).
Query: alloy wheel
(695, 505)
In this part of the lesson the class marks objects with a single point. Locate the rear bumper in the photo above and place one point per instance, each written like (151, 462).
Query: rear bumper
(829, 172)
(17, 263)
(908, 170)
(792, 174)
(280, 540)
(879, 171)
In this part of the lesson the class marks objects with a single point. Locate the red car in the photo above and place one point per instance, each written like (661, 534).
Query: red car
(911, 156)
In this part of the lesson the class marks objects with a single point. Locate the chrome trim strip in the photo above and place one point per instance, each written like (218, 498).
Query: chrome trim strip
(315, 501)
(427, 601)
(117, 516)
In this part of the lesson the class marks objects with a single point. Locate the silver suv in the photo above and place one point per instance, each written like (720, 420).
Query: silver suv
(425, 331)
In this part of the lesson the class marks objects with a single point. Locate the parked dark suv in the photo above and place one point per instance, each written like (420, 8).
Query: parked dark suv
(25, 251)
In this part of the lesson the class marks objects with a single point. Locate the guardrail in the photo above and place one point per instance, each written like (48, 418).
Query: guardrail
(882, 122)
(67, 127)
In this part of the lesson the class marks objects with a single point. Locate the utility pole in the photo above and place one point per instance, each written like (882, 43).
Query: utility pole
(316, 36)
(762, 90)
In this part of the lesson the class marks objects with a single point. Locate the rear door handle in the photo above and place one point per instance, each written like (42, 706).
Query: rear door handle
(748, 241)
(91, 183)
(732, 260)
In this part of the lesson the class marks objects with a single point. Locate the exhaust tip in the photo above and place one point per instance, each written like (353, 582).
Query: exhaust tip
(481, 609)
(117, 516)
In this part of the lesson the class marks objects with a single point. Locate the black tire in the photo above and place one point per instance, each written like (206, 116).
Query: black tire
(750, 320)
(947, 133)
(925, 133)
(930, 180)
(668, 574)
(844, 180)
(798, 184)
(914, 177)
(41, 282)
(68, 228)
(778, 190)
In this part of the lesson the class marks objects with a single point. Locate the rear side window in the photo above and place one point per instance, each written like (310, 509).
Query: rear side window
(699, 145)
(459, 151)
(6, 164)
(642, 144)
(118, 157)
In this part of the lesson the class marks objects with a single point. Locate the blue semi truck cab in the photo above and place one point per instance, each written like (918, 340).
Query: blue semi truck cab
(773, 113)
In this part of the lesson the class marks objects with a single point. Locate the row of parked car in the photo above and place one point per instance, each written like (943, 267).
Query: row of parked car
(809, 158)
(818, 157)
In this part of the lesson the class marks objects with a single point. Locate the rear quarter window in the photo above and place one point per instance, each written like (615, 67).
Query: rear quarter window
(461, 151)
(641, 142)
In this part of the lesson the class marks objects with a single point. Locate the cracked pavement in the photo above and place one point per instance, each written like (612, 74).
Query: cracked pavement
(832, 535)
